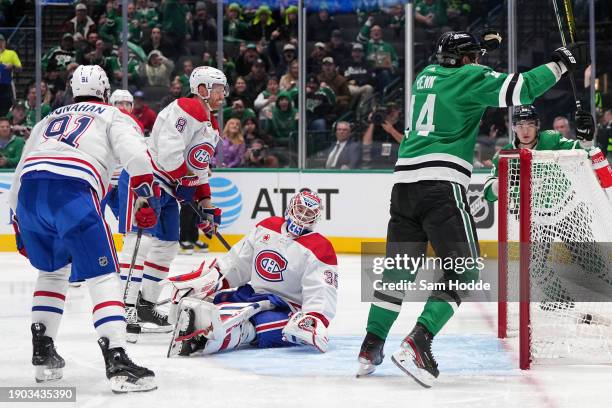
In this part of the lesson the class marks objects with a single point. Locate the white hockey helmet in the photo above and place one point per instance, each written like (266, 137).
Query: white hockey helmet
(303, 212)
(207, 76)
(90, 80)
(121, 95)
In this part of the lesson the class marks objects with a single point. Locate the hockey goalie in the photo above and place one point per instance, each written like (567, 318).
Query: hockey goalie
(275, 288)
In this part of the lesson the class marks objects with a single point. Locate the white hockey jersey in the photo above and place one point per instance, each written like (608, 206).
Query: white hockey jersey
(302, 271)
(183, 140)
(84, 140)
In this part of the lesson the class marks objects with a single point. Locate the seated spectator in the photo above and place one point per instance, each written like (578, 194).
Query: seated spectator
(344, 154)
(61, 56)
(256, 80)
(115, 72)
(174, 22)
(88, 48)
(258, 155)
(282, 64)
(143, 112)
(382, 137)
(250, 128)
(30, 106)
(147, 16)
(45, 93)
(320, 26)
(159, 42)
(11, 146)
(267, 98)
(175, 93)
(249, 53)
(110, 29)
(17, 118)
(9, 63)
(380, 54)
(262, 26)
(337, 82)
(320, 101)
(338, 49)
(157, 70)
(290, 79)
(562, 125)
(238, 110)
(232, 145)
(62, 89)
(184, 77)
(81, 24)
(359, 75)
(315, 60)
(282, 121)
(202, 27)
(240, 91)
(234, 28)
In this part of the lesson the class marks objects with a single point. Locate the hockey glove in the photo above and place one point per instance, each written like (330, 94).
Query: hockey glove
(572, 56)
(147, 206)
(306, 329)
(211, 222)
(585, 125)
(186, 187)
(491, 39)
(18, 240)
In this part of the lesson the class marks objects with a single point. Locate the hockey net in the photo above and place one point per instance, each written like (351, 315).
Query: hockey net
(555, 272)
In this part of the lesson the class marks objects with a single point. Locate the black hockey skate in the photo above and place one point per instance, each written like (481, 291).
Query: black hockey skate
(184, 340)
(370, 355)
(48, 363)
(200, 246)
(132, 327)
(186, 248)
(147, 313)
(415, 358)
(124, 375)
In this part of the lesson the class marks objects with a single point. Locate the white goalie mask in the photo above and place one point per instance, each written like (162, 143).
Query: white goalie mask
(207, 76)
(303, 212)
(90, 80)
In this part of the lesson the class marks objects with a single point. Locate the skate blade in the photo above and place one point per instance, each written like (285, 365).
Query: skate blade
(121, 385)
(365, 369)
(44, 374)
(153, 328)
(405, 361)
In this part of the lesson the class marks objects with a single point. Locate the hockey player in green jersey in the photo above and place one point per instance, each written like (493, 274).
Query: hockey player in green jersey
(433, 170)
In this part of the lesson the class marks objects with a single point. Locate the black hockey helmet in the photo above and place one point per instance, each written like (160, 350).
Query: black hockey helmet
(525, 112)
(454, 45)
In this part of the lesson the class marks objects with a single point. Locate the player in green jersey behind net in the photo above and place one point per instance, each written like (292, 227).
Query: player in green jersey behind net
(433, 170)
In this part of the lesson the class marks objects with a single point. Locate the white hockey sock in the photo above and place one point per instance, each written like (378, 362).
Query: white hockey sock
(156, 267)
(125, 258)
(108, 308)
(49, 297)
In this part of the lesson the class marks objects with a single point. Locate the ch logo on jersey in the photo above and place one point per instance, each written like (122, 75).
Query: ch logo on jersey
(270, 265)
(200, 155)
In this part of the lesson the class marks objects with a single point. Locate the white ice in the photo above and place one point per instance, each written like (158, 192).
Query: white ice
(477, 369)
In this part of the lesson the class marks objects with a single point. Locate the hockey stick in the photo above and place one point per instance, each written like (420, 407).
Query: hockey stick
(572, 30)
(217, 233)
(134, 255)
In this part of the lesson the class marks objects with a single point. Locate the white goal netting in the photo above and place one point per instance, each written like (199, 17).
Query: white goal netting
(564, 239)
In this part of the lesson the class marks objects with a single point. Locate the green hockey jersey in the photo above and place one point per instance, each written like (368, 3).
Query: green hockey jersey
(547, 140)
(446, 107)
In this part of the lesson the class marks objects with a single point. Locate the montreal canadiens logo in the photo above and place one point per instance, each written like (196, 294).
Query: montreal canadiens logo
(270, 266)
(199, 156)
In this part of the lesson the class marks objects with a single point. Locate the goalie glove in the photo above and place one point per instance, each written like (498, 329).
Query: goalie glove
(306, 329)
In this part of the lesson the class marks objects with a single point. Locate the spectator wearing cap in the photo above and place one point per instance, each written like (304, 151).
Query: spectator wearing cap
(240, 91)
(9, 63)
(380, 54)
(282, 62)
(61, 56)
(11, 145)
(337, 82)
(202, 27)
(174, 21)
(315, 60)
(147, 16)
(17, 118)
(320, 100)
(249, 53)
(321, 26)
(143, 112)
(338, 49)
(289, 27)
(290, 79)
(238, 110)
(256, 80)
(175, 93)
(234, 28)
(359, 75)
(81, 24)
(184, 77)
(345, 154)
(157, 70)
(263, 25)
(158, 41)
(30, 106)
(266, 98)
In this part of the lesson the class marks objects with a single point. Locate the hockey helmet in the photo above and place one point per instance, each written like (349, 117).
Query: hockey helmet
(121, 95)
(525, 112)
(90, 80)
(303, 212)
(207, 76)
(454, 45)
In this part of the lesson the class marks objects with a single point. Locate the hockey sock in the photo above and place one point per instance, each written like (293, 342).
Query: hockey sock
(49, 297)
(381, 318)
(108, 308)
(125, 258)
(436, 313)
(156, 267)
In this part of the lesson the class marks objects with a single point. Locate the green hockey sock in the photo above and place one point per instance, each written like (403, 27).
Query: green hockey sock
(381, 319)
(435, 314)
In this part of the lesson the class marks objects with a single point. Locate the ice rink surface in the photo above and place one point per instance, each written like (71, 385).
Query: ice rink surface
(477, 369)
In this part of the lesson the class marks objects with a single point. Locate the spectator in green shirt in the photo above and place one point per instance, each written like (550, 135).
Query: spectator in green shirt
(30, 105)
(238, 110)
(380, 54)
(174, 21)
(234, 28)
(430, 13)
(11, 146)
(147, 16)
